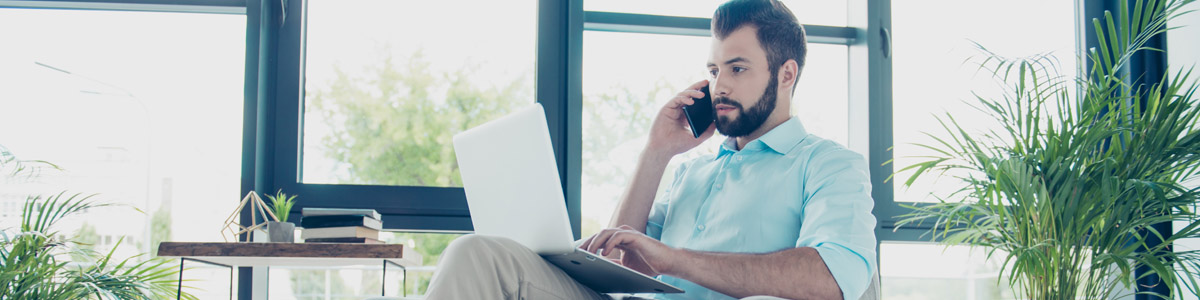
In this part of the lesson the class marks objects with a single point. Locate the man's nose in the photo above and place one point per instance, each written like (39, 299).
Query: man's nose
(717, 87)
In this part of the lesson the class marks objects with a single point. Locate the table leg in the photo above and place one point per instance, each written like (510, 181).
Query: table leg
(179, 291)
(179, 286)
(403, 282)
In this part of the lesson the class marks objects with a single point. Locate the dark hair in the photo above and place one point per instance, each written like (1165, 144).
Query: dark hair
(779, 33)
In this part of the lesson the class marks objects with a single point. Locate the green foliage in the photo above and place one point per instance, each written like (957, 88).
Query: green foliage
(430, 246)
(30, 268)
(312, 284)
(281, 204)
(13, 167)
(30, 264)
(160, 228)
(393, 125)
(633, 112)
(85, 239)
(1069, 188)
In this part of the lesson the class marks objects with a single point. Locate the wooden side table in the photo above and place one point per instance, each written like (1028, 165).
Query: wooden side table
(232, 255)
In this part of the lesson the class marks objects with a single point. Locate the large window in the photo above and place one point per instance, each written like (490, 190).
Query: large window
(624, 87)
(936, 69)
(912, 271)
(830, 13)
(385, 83)
(1181, 48)
(317, 283)
(388, 83)
(145, 117)
(361, 98)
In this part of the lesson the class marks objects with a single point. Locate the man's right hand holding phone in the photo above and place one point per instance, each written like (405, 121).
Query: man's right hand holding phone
(670, 134)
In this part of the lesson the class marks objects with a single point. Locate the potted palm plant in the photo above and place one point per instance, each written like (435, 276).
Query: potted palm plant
(1070, 189)
(281, 231)
(31, 256)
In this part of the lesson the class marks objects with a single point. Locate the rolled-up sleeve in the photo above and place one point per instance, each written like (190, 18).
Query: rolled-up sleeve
(837, 219)
(654, 225)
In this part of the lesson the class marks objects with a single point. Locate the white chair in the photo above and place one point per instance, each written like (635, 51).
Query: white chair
(872, 292)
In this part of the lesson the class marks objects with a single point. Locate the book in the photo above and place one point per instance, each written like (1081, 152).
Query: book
(317, 211)
(339, 232)
(340, 221)
(356, 240)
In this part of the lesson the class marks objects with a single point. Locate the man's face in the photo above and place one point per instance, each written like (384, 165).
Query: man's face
(741, 78)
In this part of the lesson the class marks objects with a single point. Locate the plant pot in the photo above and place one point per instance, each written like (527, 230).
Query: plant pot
(281, 232)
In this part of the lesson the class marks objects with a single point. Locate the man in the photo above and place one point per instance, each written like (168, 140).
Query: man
(775, 212)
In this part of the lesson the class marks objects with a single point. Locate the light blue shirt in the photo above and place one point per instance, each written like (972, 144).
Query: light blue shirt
(786, 189)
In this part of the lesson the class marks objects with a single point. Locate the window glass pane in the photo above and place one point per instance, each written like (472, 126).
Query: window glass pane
(821, 99)
(319, 283)
(623, 87)
(934, 272)
(1183, 46)
(388, 83)
(1181, 55)
(362, 282)
(829, 13)
(1188, 244)
(146, 117)
(935, 69)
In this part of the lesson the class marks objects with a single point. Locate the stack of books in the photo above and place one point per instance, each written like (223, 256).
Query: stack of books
(340, 225)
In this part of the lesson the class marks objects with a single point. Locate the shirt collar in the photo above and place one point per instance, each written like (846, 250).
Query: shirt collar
(780, 139)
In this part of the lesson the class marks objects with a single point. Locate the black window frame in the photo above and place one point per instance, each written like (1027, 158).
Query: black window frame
(418, 208)
(1151, 64)
(411, 208)
(272, 128)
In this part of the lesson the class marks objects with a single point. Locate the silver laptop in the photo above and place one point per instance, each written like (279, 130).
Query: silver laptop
(513, 191)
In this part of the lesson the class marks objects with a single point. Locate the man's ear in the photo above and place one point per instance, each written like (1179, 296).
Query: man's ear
(788, 73)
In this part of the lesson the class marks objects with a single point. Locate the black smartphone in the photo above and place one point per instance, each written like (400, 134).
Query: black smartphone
(700, 114)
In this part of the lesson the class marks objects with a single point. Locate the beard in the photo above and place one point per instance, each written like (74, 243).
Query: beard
(747, 120)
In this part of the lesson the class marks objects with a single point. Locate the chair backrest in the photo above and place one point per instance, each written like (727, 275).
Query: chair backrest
(873, 292)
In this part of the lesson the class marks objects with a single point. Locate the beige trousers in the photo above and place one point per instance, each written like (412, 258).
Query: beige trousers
(486, 267)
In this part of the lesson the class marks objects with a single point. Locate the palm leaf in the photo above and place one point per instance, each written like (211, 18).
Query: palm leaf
(1070, 193)
(30, 269)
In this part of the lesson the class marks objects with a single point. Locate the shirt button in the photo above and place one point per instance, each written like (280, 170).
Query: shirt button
(701, 227)
(738, 159)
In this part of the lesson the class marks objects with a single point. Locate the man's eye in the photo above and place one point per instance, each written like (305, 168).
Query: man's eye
(712, 72)
(738, 69)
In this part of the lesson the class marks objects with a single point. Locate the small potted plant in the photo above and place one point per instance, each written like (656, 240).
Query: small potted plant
(281, 231)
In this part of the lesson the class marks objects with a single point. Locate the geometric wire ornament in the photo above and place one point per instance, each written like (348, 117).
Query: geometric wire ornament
(257, 208)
